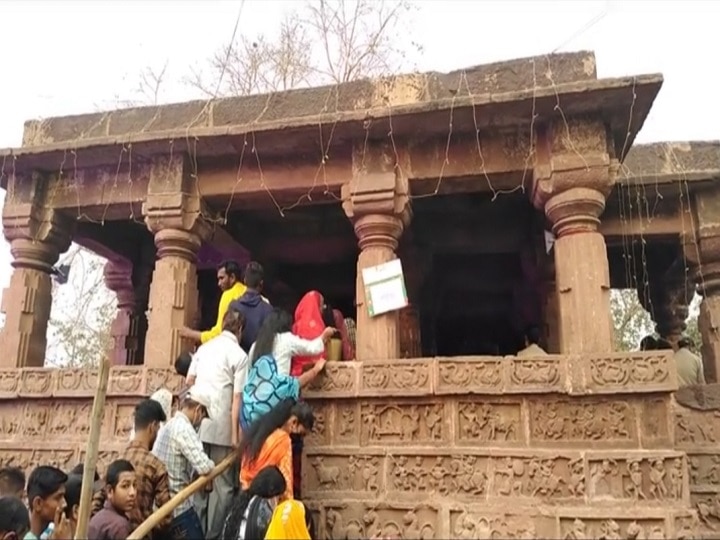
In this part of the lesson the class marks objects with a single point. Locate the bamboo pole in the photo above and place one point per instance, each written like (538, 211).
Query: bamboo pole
(166, 509)
(88, 480)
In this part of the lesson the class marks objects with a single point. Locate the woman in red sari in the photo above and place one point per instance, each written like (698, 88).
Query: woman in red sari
(308, 324)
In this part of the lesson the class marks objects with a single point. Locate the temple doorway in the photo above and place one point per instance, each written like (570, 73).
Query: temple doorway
(477, 295)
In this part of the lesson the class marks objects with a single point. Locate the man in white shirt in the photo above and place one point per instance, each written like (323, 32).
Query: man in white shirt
(219, 365)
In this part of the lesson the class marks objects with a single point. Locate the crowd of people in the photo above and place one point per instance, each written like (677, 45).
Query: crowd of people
(242, 398)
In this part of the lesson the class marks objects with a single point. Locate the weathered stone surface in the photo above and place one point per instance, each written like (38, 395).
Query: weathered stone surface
(697, 433)
(405, 455)
(609, 373)
(668, 162)
(541, 72)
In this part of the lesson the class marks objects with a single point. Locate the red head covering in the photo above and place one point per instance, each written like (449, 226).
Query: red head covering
(309, 324)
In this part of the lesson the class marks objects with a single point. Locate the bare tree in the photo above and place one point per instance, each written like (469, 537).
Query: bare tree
(323, 42)
(82, 312)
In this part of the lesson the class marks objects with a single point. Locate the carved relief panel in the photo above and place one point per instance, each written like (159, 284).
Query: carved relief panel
(647, 480)
(481, 525)
(476, 375)
(402, 423)
(704, 470)
(346, 473)
(613, 529)
(484, 421)
(453, 476)
(346, 423)
(23, 421)
(320, 435)
(708, 511)
(627, 373)
(655, 428)
(553, 477)
(559, 422)
(696, 429)
(355, 521)
(402, 377)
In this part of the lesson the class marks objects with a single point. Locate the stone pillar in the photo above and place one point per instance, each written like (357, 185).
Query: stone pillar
(377, 202)
(666, 298)
(118, 278)
(37, 236)
(702, 251)
(174, 214)
(571, 188)
(550, 309)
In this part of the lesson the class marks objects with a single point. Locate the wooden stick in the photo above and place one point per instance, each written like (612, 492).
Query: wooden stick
(166, 509)
(88, 480)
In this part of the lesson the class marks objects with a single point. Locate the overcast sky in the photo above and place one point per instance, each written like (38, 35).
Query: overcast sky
(67, 57)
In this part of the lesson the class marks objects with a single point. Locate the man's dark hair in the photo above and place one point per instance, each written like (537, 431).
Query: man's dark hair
(231, 269)
(44, 481)
(254, 275)
(182, 364)
(648, 343)
(532, 334)
(115, 469)
(79, 469)
(14, 516)
(686, 342)
(12, 480)
(73, 486)
(234, 320)
(663, 344)
(147, 412)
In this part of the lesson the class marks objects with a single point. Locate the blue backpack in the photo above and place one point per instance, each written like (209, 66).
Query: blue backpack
(264, 389)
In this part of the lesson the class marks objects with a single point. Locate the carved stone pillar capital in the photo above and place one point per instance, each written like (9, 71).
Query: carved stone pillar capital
(177, 243)
(173, 201)
(37, 236)
(378, 230)
(575, 210)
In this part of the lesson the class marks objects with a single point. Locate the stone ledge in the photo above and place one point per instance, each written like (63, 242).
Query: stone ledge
(79, 383)
(613, 373)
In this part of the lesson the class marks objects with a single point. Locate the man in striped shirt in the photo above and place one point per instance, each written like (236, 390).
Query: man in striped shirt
(180, 449)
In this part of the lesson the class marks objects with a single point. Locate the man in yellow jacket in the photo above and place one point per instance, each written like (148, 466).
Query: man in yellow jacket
(229, 278)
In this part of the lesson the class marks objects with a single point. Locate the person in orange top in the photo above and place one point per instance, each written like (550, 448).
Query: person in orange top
(229, 279)
(267, 443)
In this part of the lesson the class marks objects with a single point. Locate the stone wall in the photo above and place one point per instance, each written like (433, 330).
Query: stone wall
(45, 413)
(553, 447)
(697, 432)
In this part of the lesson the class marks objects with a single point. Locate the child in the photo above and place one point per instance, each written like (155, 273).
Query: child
(46, 499)
(14, 518)
(111, 523)
(73, 486)
(12, 482)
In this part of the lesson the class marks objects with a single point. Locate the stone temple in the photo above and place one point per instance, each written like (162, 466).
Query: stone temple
(436, 430)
